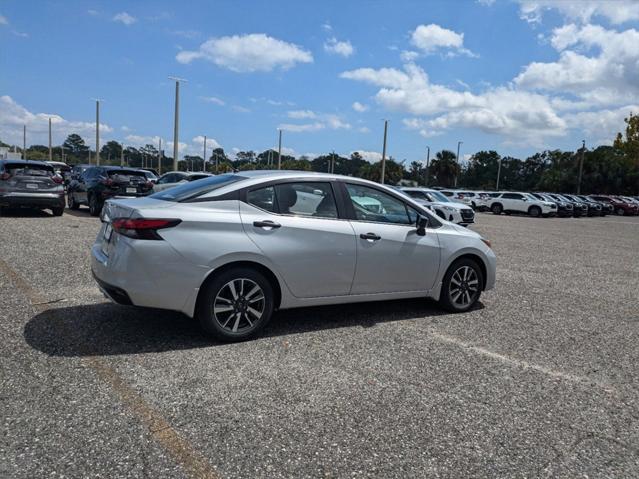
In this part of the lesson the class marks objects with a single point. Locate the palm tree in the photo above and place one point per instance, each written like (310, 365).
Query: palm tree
(445, 168)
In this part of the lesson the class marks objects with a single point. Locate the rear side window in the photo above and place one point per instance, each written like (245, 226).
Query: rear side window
(300, 199)
(17, 169)
(126, 176)
(191, 190)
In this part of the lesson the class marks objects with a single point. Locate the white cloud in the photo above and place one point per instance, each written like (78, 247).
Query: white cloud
(360, 107)
(408, 56)
(13, 116)
(601, 123)
(125, 18)
(3, 20)
(240, 109)
(214, 100)
(343, 48)
(326, 26)
(248, 53)
(618, 11)
(364, 129)
(211, 144)
(432, 38)
(301, 114)
(486, 3)
(370, 156)
(307, 127)
(517, 115)
(599, 66)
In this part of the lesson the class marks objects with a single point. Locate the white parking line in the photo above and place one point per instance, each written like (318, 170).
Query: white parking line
(520, 363)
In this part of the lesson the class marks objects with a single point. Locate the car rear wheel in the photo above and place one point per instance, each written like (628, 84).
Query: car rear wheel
(57, 211)
(534, 211)
(620, 211)
(236, 305)
(462, 286)
(497, 208)
(95, 206)
(73, 205)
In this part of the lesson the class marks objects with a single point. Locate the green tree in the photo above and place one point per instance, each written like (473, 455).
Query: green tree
(74, 144)
(629, 143)
(444, 168)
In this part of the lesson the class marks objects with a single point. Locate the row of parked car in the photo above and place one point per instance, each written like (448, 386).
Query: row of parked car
(546, 204)
(52, 185)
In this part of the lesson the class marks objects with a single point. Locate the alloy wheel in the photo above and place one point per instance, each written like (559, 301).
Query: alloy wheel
(239, 305)
(464, 286)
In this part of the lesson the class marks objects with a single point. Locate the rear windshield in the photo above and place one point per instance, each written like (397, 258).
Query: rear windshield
(125, 176)
(193, 189)
(196, 177)
(28, 170)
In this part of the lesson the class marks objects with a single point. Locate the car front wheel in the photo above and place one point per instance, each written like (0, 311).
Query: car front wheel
(497, 209)
(73, 205)
(620, 211)
(462, 286)
(534, 211)
(236, 305)
(95, 206)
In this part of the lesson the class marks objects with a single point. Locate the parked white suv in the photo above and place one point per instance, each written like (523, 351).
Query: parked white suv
(518, 202)
(442, 206)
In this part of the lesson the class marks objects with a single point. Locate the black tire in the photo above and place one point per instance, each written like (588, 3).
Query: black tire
(57, 211)
(620, 212)
(534, 211)
(447, 298)
(496, 208)
(73, 205)
(225, 325)
(95, 206)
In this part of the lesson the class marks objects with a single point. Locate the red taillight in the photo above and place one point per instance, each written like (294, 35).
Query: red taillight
(143, 228)
(5, 176)
(107, 182)
(57, 179)
(148, 185)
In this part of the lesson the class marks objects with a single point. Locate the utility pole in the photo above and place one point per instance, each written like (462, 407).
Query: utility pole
(24, 142)
(427, 163)
(458, 145)
(498, 173)
(97, 131)
(176, 120)
(122, 154)
(384, 151)
(50, 146)
(204, 161)
(279, 151)
(333, 162)
(160, 156)
(581, 165)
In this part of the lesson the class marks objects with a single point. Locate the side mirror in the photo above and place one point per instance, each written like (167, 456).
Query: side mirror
(422, 223)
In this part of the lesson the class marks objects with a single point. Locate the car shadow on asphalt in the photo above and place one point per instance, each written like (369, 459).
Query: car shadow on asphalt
(107, 329)
(25, 213)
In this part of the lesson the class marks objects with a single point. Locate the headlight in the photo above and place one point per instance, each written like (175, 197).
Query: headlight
(448, 208)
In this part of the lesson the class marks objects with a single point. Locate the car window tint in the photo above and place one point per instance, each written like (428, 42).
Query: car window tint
(306, 199)
(417, 194)
(29, 170)
(263, 198)
(371, 204)
(195, 189)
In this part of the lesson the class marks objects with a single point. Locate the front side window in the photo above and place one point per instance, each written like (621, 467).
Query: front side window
(373, 205)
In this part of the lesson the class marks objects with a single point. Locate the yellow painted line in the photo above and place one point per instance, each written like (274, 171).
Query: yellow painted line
(182, 452)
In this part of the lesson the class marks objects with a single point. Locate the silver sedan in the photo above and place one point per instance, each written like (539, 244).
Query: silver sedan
(231, 249)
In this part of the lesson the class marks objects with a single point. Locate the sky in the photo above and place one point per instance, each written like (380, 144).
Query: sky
(516, 76)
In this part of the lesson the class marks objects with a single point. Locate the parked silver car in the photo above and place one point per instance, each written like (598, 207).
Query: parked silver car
(232, 248)
(32, 184)
(174, 178)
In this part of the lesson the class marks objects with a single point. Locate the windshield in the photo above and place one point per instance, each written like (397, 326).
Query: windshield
(193, 189)
(530, 196)
(20, 169)
(439, 197)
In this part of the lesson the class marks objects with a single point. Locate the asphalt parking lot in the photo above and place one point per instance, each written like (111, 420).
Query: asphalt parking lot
(540, 381)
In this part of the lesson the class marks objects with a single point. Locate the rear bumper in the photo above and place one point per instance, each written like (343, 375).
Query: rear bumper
(42, 200)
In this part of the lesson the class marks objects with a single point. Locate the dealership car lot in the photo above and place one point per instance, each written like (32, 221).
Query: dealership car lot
(540, 381)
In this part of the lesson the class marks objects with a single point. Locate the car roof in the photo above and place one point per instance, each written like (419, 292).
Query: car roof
(25, 162)
(112, 168)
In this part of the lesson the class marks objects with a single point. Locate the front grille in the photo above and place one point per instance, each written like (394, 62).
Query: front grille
(467, 214)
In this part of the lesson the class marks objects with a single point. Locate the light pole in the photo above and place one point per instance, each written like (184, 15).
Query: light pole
(50, 146)
(97, 131)
(122, 154)
(279, 151)
(581, 165)
(24, 142)
(427, 163)
(498, 174)
(384, 151)
(160, 156)
(458, 145)
(176, 120)
(204, 157)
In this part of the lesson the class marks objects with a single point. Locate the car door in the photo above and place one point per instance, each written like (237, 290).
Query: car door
(391, 256)
(80, 187)
(512, 201)
(297, 227)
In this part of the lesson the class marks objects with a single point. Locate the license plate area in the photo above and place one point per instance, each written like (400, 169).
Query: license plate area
(106, 238)
(32, 186)
(131, 190)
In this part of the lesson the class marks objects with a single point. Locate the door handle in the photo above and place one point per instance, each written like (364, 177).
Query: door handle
(266, 224)
(370, 236)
